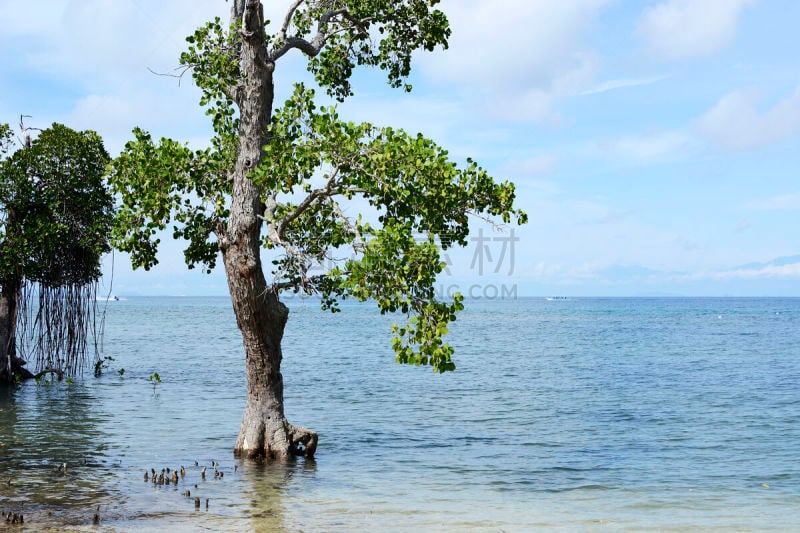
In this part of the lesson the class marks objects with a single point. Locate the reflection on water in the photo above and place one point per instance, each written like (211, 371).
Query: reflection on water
(44, 429)
(622, 415)
(270, 489)
(47, 426)
(249, 497)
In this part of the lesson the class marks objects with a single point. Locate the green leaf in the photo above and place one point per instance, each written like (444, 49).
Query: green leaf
(317, 171)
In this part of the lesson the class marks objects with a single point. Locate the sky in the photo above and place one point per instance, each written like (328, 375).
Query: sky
(655, 145)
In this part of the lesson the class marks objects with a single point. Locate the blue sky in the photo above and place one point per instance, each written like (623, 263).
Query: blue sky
(655, 144)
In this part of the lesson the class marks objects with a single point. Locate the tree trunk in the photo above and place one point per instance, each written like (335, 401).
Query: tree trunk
(260, 315)
(9, 304)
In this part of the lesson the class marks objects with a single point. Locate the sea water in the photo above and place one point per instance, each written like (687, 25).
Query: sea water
(569, 415)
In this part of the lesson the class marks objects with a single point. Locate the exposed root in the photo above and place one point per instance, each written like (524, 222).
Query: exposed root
(285, 443)
(59, 373)
(303, 441)
(19, 371)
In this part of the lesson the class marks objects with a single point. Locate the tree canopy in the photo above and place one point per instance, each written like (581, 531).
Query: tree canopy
(55, 226)
(61, 209)
(314, 169)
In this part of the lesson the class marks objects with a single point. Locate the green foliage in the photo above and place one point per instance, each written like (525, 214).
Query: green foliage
(6, 139)
(101, 365)
(55, 219)
(57, 209)
(155, 379)
(314, 165)
(379, 33)
(163, 182)
(212, 56)
(423, 202)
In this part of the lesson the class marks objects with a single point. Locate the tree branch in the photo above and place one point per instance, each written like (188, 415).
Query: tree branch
(359, 244)
(314, 46)
(313, 281)
(57, 372)
(309, 48)
(358, 23)
(281, 37)
(307, 202)
(183, 70)
(24, 131)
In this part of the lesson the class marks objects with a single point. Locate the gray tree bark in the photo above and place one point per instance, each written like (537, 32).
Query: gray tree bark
(260, 315)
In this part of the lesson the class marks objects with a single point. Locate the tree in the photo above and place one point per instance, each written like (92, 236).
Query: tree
(284, 179)
(55, 224)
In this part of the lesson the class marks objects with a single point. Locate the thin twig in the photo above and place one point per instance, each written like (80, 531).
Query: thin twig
(184, 70)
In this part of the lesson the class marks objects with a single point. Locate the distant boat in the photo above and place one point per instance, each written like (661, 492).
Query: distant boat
(109, 299)
(556, 298)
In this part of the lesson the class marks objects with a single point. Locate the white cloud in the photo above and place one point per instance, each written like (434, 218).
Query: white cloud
(646, 148)
(100, 51)
(18, 20)
(538, 165)
(96, 41)
(518, 56)
(607, 216)
(172, 112)
(680, 29)
(735, 122)
(560, 274)
(538, 103)
(570, 231)
(604, 272)
(776, 203)
(621, 83)
(431, 116)
(519, 42)
(543, 270)
(783, 271)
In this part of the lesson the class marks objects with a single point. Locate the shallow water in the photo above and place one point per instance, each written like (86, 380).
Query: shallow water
(576, 415)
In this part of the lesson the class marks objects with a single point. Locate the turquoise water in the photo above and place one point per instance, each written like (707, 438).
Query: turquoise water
(577, 415)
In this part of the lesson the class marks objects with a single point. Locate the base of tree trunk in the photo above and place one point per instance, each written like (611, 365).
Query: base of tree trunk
(20, 373)
(14, 371)
(305, 441)
(278, 441)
